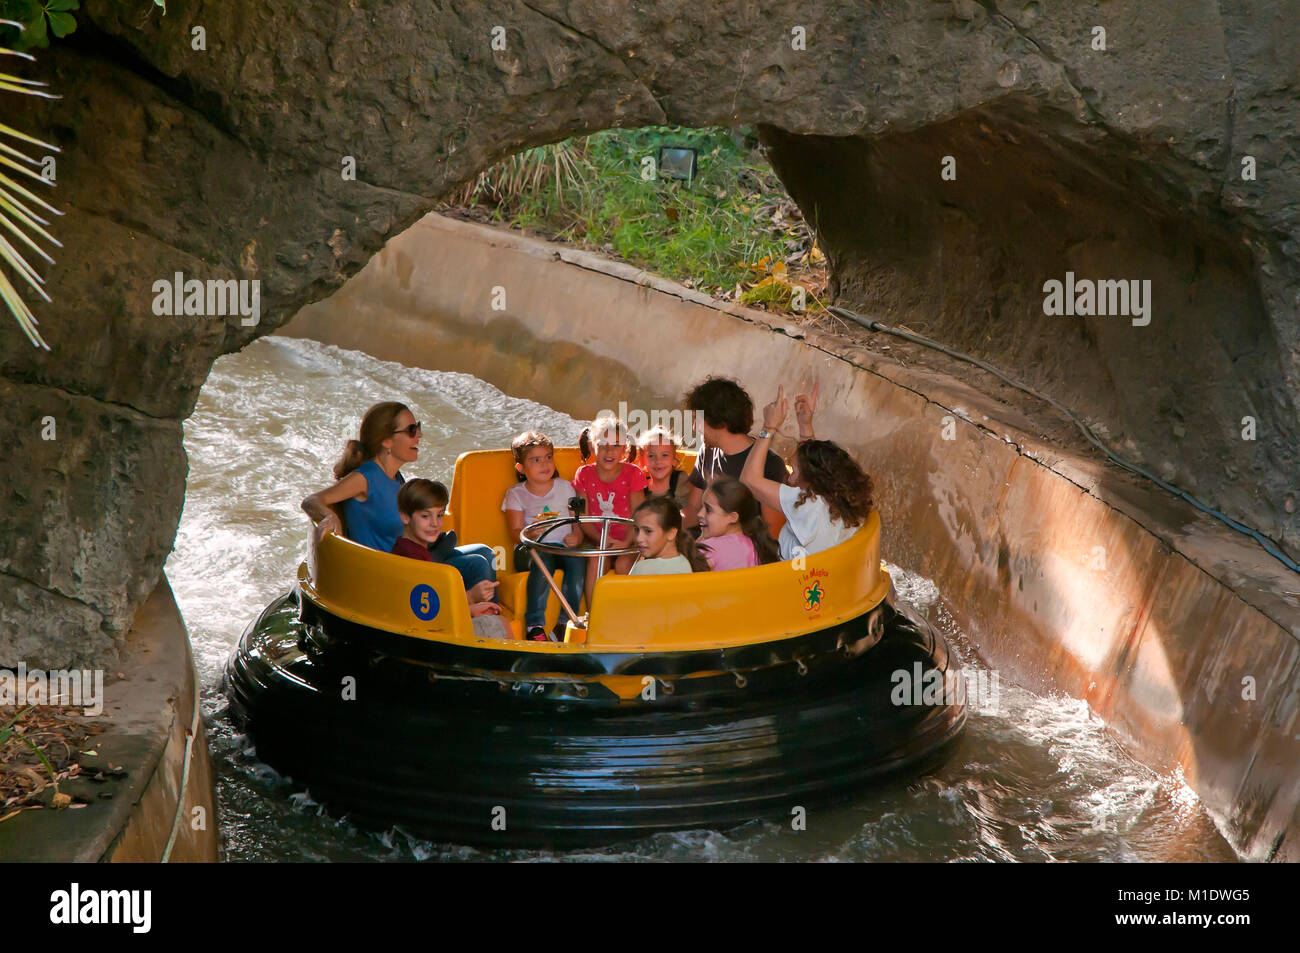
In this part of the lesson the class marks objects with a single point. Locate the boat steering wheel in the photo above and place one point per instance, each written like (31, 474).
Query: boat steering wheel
(530, 538)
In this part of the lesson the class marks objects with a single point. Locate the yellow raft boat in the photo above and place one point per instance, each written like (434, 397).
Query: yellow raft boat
(692, 700)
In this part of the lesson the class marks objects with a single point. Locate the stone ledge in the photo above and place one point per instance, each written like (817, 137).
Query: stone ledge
(147, 716)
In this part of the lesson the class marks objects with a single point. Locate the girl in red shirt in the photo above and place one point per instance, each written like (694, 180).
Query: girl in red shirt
(610, 483)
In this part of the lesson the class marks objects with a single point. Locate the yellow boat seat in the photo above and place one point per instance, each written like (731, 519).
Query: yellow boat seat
(678, 613)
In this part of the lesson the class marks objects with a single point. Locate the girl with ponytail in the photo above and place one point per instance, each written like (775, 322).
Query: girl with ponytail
(610, 485)
(369, 476)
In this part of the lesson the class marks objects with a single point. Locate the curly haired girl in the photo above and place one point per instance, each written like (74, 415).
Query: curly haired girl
(829, 496)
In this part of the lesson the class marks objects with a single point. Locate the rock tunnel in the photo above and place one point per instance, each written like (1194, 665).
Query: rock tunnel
(954, 157)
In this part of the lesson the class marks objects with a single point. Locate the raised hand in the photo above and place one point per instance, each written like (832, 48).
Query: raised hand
(804, 407)
(774, 413)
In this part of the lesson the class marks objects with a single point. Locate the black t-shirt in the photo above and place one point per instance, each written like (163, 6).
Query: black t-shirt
(712, 463)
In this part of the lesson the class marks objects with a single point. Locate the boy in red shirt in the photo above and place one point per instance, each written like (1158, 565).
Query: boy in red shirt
(422, 504)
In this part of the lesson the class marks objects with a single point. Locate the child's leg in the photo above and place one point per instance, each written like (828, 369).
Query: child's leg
(575, 574)
(474, 563)
(590, 586)
(491, 627)
(538, 591)
(481, 549)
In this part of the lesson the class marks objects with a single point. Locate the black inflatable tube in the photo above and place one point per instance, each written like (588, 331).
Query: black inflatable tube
(454, 757)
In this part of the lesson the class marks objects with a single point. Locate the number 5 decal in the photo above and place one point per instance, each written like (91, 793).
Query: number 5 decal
(424, 602)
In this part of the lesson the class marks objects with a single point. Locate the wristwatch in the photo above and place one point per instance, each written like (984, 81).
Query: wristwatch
(764, 434)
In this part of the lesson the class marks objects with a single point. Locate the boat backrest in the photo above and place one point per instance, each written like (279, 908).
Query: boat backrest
(383, 591)
(691, 611)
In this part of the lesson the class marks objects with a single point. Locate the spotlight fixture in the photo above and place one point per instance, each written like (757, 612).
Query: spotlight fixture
(678, 162)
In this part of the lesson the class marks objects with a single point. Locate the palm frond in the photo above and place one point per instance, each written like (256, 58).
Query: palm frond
(17, 217)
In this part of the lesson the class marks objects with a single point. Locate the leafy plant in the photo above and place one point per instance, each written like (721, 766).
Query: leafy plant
(564, 165)
(591, 191)
(37, 19)
(8, 731)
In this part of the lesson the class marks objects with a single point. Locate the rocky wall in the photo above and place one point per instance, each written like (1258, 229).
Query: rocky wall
(284, 142)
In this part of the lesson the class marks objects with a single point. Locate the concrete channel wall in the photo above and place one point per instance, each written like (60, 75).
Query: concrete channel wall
(1070, 575)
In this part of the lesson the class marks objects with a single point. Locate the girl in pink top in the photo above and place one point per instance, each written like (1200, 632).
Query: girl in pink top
(733, 534)
(611, 484)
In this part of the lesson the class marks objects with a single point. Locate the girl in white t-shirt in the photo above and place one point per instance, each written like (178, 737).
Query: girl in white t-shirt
(539, 495)
(664, 548)
(829, 495)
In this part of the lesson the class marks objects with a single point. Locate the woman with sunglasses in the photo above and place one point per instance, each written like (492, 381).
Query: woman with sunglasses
(369, 476)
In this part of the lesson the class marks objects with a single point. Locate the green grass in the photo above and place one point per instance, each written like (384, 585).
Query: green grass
(590, 191)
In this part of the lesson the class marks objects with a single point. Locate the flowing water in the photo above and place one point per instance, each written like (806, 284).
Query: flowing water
(1035, 778)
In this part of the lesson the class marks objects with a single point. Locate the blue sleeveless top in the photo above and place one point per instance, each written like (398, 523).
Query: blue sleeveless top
(375, 523)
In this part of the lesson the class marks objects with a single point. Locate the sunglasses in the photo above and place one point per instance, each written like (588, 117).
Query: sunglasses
(410, 431)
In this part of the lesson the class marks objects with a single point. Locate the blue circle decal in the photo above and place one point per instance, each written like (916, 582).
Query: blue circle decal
(424, 602)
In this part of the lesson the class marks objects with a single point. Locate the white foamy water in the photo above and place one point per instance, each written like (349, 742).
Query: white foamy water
(1037, 778)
